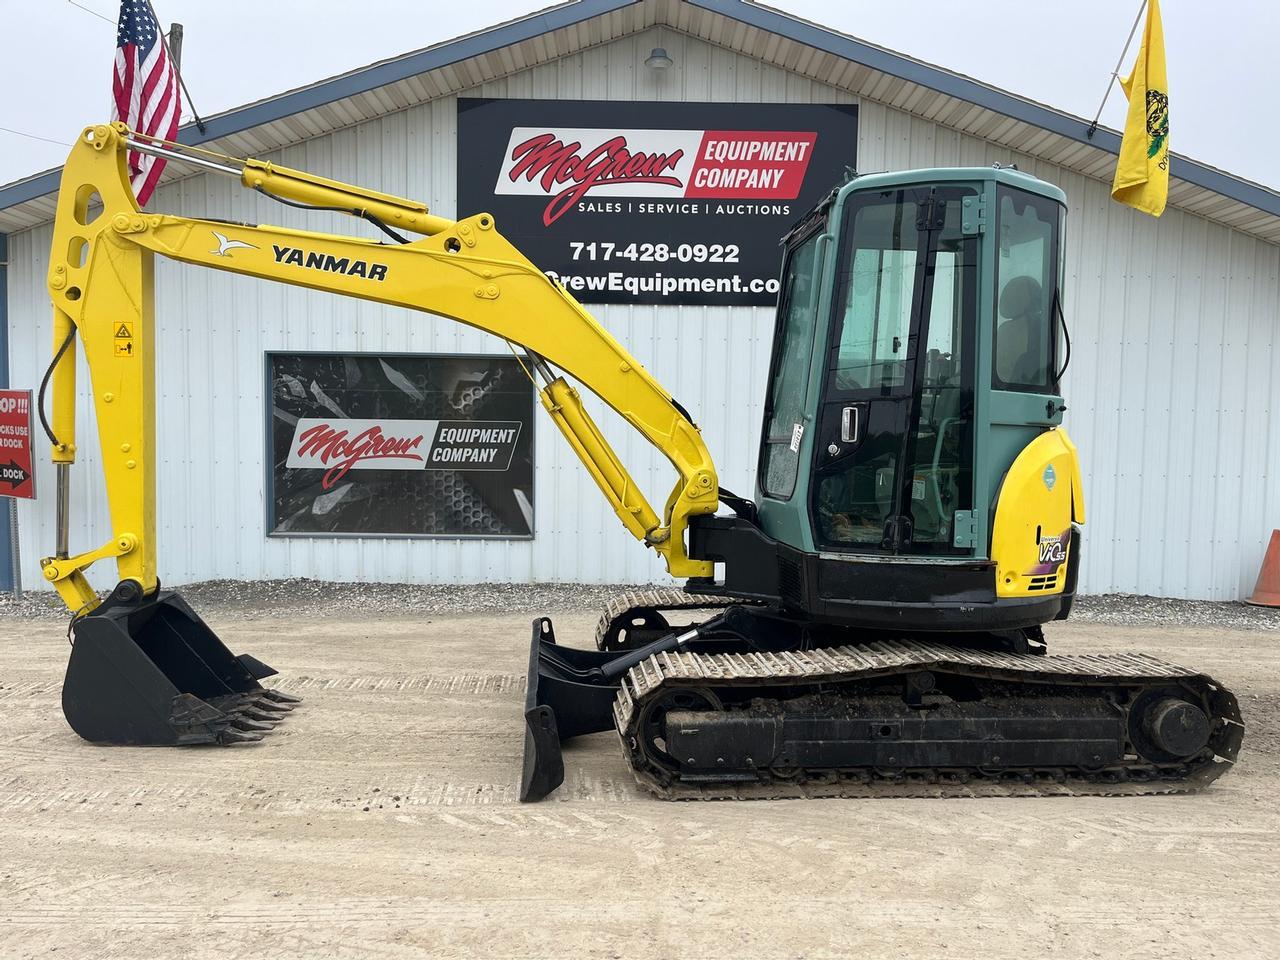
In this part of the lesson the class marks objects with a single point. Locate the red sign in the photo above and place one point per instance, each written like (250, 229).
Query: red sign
(341, 445)
(568, 164)
(337, 446)
(17, 478)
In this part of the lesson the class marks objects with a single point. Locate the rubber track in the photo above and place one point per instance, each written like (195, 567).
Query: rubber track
(684, 670)
(655, 598)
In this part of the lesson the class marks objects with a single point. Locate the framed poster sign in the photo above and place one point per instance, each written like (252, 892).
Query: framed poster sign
(399, 445)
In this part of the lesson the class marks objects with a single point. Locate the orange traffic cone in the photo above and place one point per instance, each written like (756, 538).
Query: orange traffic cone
(1266, 593)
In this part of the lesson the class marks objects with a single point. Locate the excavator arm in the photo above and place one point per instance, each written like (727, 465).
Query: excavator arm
(100, 282)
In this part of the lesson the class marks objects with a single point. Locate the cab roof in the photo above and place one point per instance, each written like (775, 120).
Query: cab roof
(999, 174)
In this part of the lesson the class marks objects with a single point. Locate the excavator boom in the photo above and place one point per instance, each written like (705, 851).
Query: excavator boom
(100, 282)
(144, 668)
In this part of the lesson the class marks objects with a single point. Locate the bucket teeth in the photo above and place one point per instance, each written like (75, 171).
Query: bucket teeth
(254, 712)
(241, 722)
(273, 706)
(234, 717)
(280, 697)
(247, 717)
(234, 735)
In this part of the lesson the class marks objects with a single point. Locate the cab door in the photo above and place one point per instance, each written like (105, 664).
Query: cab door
(893, 458)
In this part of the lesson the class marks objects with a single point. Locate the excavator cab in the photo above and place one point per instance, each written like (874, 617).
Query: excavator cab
(915, 381)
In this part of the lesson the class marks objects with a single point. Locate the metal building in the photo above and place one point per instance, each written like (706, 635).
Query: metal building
(1174, 322)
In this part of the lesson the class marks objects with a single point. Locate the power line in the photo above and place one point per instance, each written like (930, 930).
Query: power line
(94, 12)
(32, 136)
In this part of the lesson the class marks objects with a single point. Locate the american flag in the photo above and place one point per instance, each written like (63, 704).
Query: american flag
(144, 90)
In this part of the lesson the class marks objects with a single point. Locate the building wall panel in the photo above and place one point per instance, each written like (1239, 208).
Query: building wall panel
(1171, 389)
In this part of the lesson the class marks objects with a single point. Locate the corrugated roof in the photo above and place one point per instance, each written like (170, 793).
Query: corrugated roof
(754, 30)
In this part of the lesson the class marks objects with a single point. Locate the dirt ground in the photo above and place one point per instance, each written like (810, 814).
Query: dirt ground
(380, 820)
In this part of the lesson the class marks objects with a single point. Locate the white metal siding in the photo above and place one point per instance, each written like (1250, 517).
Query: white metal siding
(1170, 391)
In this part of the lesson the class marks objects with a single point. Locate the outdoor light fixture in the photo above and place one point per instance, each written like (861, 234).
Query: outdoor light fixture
(658, 59)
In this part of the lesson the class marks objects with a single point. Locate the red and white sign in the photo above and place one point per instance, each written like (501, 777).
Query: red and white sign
(337, 446)
(567, 164)
(17, 478)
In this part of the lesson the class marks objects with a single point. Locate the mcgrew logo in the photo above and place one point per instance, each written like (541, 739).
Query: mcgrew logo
(329, 263)
(544, 157)
(568, 164)
(340, 452)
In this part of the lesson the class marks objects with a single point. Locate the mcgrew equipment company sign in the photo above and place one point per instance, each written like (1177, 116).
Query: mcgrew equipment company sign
(417, 445)
(627, 202)
(336, 445)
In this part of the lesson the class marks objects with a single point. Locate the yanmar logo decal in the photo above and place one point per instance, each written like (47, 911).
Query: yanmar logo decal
(567, 164)
(341, 445)
(314, 260)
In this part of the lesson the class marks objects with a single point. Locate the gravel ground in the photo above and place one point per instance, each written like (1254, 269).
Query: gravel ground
(381, 820)
(252, 599)
(1125, 608)
(248, 600)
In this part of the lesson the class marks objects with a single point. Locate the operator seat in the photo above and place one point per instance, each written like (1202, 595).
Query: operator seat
(1019, 357)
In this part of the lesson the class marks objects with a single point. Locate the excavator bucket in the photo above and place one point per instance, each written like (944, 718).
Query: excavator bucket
(152, 673)
(568, 695)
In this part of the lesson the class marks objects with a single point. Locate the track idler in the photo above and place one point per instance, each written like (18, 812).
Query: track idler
(146, 671)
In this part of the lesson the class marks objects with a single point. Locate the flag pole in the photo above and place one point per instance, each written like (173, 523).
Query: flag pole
(1115, 74)
(176, 68)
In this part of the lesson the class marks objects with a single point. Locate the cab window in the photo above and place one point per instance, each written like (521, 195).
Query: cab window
(873, 352)
(793, 353)
(1027, 282)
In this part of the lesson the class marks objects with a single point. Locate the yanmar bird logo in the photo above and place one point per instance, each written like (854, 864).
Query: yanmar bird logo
(225, 246)
(567, 164)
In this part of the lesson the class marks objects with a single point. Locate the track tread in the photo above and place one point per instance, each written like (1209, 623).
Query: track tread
(681, 669)
(653, 598)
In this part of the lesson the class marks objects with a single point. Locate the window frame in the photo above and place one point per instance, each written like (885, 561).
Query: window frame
(966, 320)
(804, 234)
(1052, 334)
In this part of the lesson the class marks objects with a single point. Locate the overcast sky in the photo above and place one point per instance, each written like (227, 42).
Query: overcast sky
(1222, 57)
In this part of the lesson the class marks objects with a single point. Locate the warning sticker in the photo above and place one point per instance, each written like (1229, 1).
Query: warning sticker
(124, 339)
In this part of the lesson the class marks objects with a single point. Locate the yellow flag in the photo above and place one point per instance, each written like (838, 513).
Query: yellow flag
(1142, 173)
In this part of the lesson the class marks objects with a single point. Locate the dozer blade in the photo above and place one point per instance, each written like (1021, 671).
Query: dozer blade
(152, 673)
(566, 696)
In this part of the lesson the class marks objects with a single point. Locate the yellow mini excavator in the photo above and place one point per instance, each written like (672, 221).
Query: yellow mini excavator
(869, 623)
